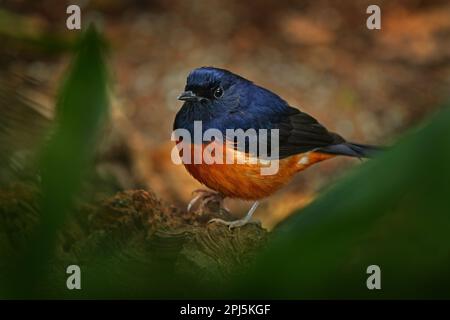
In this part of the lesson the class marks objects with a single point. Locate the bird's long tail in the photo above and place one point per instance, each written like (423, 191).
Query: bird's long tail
(351, 149)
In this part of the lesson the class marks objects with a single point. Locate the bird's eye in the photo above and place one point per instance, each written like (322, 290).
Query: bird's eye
(218, 92)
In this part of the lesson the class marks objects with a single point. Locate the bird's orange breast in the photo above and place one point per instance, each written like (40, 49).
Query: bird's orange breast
(245, 180)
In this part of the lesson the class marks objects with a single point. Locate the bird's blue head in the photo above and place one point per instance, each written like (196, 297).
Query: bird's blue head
(210, 94)
(224, 100)
(210, 87)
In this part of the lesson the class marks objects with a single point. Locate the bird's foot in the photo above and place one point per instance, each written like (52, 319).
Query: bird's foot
(241, 222)
(235, 223)
(205, 199)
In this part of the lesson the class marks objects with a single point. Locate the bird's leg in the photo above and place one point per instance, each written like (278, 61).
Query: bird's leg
(240, 222)
(204, 197)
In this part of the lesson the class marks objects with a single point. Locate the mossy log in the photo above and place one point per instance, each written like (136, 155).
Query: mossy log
(136, 225)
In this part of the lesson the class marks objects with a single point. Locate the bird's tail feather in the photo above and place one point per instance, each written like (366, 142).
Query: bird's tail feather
(351, 149)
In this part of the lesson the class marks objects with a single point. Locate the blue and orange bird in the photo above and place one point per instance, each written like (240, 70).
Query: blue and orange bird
(222, 100)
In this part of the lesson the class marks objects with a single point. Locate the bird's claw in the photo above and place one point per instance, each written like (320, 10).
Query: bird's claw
(205, 197)
(235, 223)
(193, 202)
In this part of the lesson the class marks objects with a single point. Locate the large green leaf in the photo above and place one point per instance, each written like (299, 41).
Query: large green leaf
(393, 211)
(81, 108)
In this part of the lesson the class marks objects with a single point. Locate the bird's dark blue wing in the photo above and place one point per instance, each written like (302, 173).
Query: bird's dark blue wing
(300, 132)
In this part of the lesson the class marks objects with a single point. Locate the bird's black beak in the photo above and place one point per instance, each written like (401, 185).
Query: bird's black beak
(188, 96)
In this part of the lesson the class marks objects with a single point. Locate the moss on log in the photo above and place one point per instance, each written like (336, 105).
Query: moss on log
(135, 227)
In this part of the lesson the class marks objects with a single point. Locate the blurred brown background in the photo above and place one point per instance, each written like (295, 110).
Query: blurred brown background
(368, 85)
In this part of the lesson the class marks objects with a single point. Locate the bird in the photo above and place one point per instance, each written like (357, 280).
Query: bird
(222, 100)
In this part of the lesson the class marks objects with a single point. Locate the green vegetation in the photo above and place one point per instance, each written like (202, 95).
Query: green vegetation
(393, 211)
(81, 109)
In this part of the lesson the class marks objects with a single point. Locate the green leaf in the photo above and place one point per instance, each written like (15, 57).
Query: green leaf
(393, 211)
(81, 109)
